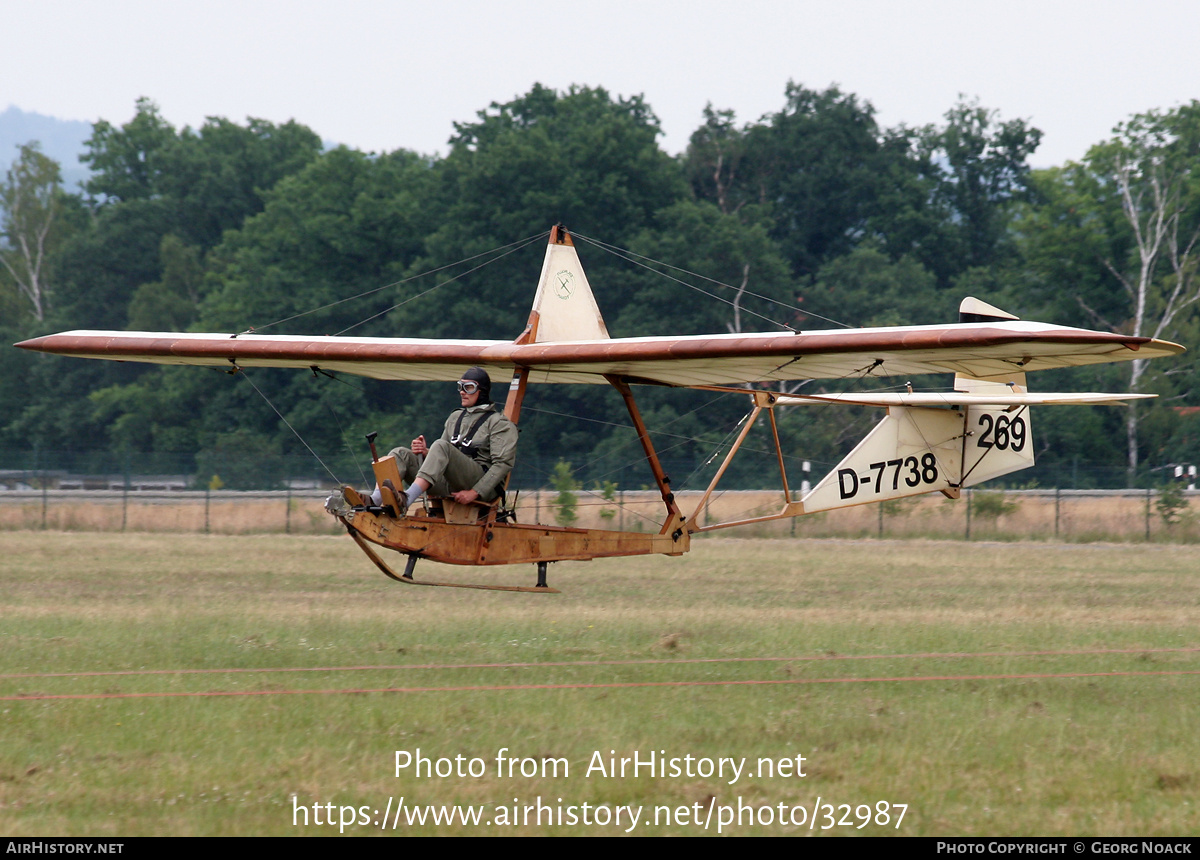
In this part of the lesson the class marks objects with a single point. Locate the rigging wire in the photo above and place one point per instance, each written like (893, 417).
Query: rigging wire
(316, 373)
(618, 253)
(521, 242)
(813, 415)
(353, 459)
(717, 450)
(629, 256)
(510, 250)
(242, 372)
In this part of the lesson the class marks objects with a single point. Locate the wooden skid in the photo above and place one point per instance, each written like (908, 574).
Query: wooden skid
(508, 543)
(382, 565)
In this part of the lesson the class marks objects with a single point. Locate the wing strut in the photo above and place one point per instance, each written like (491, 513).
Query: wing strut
(674, 515)
(762, 400)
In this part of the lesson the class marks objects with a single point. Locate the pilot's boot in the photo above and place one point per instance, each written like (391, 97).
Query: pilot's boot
(400, 507)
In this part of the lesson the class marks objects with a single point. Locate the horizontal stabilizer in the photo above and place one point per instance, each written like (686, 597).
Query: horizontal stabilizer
(958, 398)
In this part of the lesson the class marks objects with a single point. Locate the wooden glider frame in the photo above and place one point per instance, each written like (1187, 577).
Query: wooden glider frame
(475, 535)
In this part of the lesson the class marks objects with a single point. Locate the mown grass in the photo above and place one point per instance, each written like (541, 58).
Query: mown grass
(1077, 755)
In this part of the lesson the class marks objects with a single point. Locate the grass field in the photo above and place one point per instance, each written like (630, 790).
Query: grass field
(1086, 752)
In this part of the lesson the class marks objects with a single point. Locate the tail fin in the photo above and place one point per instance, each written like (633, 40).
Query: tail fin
(972, 309)
(564, 307)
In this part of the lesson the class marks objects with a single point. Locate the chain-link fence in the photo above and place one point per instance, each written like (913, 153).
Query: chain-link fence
(1067, 515)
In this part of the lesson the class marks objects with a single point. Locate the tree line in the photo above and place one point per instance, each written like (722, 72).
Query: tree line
(809, 217)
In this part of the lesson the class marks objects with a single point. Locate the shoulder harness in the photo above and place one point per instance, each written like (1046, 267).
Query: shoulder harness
(466, 442)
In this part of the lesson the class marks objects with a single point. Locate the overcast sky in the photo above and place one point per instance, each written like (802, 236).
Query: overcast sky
(384, 75)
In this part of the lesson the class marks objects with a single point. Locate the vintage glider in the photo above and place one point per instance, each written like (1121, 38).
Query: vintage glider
(927, 441)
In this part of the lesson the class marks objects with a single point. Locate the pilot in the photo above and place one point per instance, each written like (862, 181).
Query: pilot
(475, 454)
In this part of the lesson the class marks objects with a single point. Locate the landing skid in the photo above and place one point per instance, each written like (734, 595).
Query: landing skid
(407, 577)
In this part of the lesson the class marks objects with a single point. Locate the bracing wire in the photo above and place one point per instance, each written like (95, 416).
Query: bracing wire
(520, 242)
(242, 373)
(511, 250)
(629, 256)
(815, 412)
(349, 450)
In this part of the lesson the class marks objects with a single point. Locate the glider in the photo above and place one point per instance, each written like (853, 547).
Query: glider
(926, 442)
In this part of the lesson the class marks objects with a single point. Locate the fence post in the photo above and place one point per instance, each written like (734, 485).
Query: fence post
(968, 535)
(1148, 492)
(207, 494)
(125, 494)
(287, 520)
(1057, 497)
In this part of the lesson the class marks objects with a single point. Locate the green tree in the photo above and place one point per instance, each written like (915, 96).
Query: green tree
(880, 291)
(704, 272)
(126, 161)
(829, 177)
(607, 490)
(714, 160)
(820, 163)
(151, 181)
(170, 303)
(114, 266)
(979, 166)
(581, 158)
(346, 224)
(563, 480)
(349, 223)
(1172, 505)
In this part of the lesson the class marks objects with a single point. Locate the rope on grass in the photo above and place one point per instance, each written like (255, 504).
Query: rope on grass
(472, 688)
(929, 655)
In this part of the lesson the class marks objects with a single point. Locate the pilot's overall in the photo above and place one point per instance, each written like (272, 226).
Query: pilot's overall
(476, 452)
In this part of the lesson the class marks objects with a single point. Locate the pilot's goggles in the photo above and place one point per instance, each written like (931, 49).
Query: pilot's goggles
(468, 386)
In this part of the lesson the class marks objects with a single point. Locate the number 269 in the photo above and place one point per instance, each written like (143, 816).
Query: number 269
(1001, 432)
